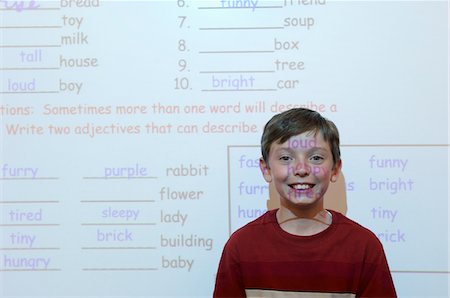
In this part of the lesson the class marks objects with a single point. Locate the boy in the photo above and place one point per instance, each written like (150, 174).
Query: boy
(301, 249)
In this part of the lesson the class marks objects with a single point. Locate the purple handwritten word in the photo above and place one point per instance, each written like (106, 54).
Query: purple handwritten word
(19, 6)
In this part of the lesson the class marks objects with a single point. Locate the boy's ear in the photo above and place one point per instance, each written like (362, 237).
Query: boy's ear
(265, 170)
(335, 172)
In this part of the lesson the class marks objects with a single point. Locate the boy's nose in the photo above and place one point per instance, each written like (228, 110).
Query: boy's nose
(302, 169)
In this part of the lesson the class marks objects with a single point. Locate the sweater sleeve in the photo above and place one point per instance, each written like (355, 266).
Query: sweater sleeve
(376, 279)
(229, 281)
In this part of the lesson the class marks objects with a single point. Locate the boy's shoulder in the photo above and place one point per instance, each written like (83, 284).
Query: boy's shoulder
(344, 222)
(257, 225)
(352, 231)
(253, 234)
(267, 218)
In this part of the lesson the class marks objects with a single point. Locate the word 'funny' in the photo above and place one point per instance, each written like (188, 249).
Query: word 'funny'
(239, 4)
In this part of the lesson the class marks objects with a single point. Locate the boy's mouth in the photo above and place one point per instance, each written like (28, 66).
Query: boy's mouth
(301, 186)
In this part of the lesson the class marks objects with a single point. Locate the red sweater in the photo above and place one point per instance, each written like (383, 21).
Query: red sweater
(262, 260)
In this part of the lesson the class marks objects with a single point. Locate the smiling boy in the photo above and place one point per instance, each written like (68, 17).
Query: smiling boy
(302, 249)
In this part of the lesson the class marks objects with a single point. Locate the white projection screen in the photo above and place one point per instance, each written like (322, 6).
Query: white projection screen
(131, 131)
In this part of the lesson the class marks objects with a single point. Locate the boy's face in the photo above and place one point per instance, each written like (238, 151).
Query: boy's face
(301, 169)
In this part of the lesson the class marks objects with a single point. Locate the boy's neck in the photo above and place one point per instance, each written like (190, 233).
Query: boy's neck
(303, 222)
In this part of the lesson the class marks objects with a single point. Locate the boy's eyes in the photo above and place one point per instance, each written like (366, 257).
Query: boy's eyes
(316, 158)
(312, 158)
(285, 158)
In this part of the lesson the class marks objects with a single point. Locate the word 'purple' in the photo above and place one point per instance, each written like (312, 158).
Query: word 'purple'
(19, 5)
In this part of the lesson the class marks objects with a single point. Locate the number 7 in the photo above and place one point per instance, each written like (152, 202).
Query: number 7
(182, 19)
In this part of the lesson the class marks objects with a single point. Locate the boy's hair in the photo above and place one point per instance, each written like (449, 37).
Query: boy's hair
(297, 121)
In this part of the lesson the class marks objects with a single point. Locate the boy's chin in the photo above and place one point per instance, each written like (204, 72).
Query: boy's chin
(296, 195)
(301, 201)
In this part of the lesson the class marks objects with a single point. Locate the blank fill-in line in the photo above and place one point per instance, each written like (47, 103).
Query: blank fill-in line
(236, 71)
(30, 27)
(30, 46)
(236, 90)
(115, 178)
(31, 248)
(37, 178)
(119, 224)
(29, 202)
(118, 201)
(242, 28)
(30, 68)
(29, 225)
(119, 269)
(237, 52)
(112, 248)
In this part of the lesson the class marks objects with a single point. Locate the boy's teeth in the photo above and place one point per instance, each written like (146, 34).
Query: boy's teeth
(301, 186)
